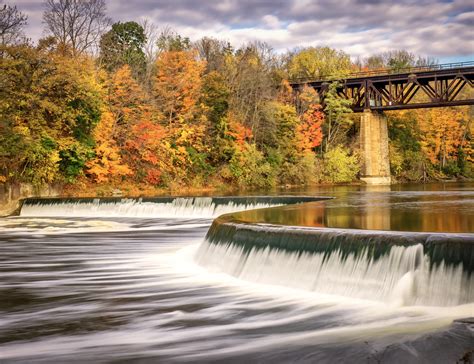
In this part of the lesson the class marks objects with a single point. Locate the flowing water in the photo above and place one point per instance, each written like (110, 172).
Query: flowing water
(136, 280)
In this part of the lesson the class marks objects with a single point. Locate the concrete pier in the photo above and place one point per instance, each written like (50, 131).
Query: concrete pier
(375, 169)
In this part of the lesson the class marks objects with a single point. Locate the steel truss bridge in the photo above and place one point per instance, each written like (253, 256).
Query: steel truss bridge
(411, 88)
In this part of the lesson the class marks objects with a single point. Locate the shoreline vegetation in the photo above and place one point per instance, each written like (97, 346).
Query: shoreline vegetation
(137, 109)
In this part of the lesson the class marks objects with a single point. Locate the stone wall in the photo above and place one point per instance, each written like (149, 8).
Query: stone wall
(11, 194)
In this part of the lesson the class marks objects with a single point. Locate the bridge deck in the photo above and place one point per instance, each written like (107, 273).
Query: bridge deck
(417, 88)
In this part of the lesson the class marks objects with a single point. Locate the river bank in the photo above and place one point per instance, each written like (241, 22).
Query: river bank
(12, 194)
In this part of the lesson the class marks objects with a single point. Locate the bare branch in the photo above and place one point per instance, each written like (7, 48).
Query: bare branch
(77, 23)
(12, 22)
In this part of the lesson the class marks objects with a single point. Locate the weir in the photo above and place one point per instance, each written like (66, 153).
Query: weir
(402, 268)
(395, 267)
(164, 207)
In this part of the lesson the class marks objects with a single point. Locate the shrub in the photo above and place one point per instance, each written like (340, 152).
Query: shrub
(248, 168)
(340, 166)
(301, 170)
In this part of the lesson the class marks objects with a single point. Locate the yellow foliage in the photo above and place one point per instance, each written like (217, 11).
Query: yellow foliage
(443, 132)
(178, 84)
(107, 163)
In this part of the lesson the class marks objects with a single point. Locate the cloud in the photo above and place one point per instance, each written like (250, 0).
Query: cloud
(436, 28)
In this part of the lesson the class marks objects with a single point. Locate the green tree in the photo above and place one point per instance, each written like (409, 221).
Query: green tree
(170, 41)
(337, 119)
(123, 45)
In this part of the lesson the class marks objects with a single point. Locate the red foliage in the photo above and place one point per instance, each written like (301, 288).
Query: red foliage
(153, 176)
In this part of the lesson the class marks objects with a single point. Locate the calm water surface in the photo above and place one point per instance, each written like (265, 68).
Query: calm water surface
(123, 289)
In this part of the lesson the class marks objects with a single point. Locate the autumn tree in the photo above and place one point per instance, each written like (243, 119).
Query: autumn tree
(340, 166)
(309, 130)
(407, 161)
(431, 143)
(306, 98)
(397, 60)
(318, 62)
(290, 141)
(249, 74)
(445, 134)
(170, 41)
(126, 101)
(130, 140)
(215, 97)
(177, 91)
(178, 85)
(107, 163)
(49, 107)
(214, 52)
(151, 50)
(150, 150)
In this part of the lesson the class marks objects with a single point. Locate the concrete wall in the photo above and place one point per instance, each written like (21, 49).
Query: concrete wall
(375, 167)
(10, 195)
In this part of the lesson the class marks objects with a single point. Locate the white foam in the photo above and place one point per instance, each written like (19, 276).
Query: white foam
(402, 277)
(200, 207)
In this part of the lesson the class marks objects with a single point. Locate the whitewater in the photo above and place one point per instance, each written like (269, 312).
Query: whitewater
(137, 280)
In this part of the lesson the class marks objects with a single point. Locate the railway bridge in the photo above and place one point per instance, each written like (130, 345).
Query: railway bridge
(374, 92)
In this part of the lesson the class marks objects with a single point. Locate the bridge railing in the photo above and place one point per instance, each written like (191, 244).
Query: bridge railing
(386, 71)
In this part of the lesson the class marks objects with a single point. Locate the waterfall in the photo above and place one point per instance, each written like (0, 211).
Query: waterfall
(401, 277)
(166, 207)
(394, 267)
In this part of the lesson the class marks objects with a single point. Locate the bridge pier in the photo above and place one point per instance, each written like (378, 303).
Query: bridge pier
(375, 168)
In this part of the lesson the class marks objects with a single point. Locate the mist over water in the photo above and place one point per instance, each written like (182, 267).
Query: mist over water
(137, 282)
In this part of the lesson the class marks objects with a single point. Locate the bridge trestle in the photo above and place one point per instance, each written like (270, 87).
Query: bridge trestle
(426, 87)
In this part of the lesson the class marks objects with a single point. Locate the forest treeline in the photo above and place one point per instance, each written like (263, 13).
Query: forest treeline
(131, 104)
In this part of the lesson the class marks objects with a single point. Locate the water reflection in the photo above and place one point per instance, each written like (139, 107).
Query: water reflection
(436, 209)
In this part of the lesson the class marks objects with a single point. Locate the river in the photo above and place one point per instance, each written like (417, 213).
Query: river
(129, 281)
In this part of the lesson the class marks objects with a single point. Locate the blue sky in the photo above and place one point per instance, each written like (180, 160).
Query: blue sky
(440, 29)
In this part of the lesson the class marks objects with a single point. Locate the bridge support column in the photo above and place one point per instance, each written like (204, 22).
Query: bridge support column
(374, 147)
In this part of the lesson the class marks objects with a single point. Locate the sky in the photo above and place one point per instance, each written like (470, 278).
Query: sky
(435, 28)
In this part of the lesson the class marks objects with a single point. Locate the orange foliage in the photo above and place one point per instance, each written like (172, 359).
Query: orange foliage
(107, 163)
(125, 95)
(146, 145)
(178, 84)
(309, 133)
(443, 132)
(238, 132)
